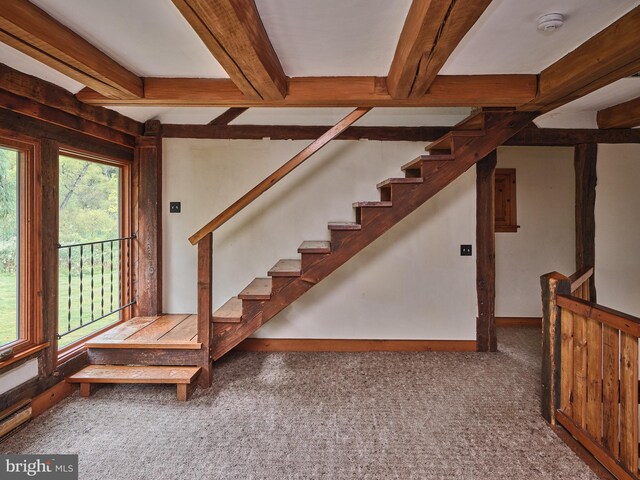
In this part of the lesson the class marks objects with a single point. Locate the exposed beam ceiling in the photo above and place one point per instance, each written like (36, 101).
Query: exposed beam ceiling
(233, 31)
(29, 29)
(446, 91)
(432, 30)
(228, 116)
(612, 54)
(623, 115)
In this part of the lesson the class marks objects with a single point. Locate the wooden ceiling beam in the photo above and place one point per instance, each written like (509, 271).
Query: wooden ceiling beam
(233, 32)
(446, 91)
(610, 55)
(623, 115)
(431, 32)
(32, 31)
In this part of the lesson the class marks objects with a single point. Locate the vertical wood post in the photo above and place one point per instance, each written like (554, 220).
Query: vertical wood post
(205, 304)
(585, 160)
(49, 219)
(149, 255)
(552, 284)
(486, 253)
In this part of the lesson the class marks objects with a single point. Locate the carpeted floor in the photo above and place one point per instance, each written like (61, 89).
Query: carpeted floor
(322, 415)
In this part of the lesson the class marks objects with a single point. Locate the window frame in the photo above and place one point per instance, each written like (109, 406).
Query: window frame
(126, 229)
(29, 303)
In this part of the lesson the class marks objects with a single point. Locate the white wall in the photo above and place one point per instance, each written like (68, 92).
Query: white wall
(545, 241)
(618, 228)
(18, 375)
(411, 283)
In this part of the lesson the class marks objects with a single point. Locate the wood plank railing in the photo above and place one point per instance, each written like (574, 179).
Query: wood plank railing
(204, 237)
(596, 374)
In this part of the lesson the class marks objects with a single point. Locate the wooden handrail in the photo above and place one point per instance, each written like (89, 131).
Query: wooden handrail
(279, 174)
(613, 318)
(581, 276)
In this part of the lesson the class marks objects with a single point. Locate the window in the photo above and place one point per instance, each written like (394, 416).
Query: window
(20, 257)
(505, 200)
(95, 249)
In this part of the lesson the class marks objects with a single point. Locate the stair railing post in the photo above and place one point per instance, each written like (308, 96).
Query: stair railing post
(552, 284)
(205, 300)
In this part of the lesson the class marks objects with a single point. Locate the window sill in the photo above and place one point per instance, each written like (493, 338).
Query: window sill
(23, 354)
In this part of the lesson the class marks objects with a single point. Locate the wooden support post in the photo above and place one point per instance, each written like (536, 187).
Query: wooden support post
(486, 254)
(48, 220)
(552, 284)
(149, 174)
(205, 306)
(585, 159)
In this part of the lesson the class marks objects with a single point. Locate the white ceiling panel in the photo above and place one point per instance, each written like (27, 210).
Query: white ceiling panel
(26, 64)
(506, 40)
(334, 37)
(148, 37)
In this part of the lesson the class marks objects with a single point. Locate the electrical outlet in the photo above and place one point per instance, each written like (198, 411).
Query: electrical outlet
(466, 250)
(174, 207)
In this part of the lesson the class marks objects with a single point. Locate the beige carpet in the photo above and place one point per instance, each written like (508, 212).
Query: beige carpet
(322, 415)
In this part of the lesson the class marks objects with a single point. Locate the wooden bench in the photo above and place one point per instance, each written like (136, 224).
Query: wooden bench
(182, 377)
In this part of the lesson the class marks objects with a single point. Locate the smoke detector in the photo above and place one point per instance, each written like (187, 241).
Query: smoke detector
(550, 22)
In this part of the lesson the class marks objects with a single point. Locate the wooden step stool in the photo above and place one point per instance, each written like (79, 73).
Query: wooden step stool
(183, 377)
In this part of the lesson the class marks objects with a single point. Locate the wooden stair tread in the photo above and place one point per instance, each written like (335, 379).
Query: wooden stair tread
(390, 181)
(134, 374)
(315, 246)
(258, 289)
(417, 162)
(286, 268)
(230, 312)
(372, 204)
(344, 226)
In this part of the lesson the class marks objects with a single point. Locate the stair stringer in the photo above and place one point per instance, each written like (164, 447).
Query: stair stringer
(499, 127)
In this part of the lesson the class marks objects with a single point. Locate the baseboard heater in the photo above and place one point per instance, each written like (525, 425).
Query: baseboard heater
(14, 417)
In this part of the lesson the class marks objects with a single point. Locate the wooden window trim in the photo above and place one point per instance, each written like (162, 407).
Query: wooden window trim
(126, 228)
(30, 335)
(510, 225)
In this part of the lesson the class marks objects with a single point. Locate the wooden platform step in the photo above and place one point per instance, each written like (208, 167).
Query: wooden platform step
(417, 162)
(230, 312)
(286, 268)
(344, 226)
(315, 246)
(372, 204)
(183, 377)
(258, 289)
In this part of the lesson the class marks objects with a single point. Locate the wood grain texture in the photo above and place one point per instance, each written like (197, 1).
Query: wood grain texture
(205, 306)
(551, 284)
(629, 401)
(585, 166)
(623, 115)
(594, 379)
(610, 55)
(279, 174)
(352, 345)
(31, 30)
(149, 238)
(233, 31)
(486, 253)
(134, 374)
(619, 320)
(610, 389)
(44, 401)
(566, 362)
(458, 20)
(619, 470)
(446, 91)
(579, 390)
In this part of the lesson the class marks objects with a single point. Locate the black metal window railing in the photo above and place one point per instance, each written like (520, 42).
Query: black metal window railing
(95, 282)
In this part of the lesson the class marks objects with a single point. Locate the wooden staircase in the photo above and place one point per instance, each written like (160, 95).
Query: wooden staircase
(151, 349)
(446, 159)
